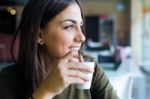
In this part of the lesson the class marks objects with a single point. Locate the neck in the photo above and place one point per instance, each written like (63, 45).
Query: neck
(50, 63)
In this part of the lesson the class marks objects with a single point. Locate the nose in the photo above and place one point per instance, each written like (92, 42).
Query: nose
(80, 37)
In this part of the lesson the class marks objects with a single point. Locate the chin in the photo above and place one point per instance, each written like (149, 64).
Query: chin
(62, 54)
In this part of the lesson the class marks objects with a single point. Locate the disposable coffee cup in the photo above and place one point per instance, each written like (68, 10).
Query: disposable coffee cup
(87, 85)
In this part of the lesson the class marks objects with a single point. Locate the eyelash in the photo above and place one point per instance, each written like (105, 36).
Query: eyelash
(82, 27)
(72, 26)
(69, 26)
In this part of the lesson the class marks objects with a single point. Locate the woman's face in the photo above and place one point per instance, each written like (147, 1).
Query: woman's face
(64, 33)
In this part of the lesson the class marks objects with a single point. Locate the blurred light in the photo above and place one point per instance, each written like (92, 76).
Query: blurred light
(120, 6)
(11, 10)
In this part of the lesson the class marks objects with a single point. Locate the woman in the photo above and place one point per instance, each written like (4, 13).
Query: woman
(47, 66)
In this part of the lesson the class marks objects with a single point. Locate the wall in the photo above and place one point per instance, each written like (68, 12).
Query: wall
(108, 7)
(136, 30)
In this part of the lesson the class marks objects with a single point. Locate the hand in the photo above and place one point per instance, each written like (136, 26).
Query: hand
(68, 70)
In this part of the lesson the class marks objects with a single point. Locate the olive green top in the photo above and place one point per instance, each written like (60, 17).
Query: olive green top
(11, 87)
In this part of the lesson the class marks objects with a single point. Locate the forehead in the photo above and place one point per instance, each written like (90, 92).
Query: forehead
(73, 12)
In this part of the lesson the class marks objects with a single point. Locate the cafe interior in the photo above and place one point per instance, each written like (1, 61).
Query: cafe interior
(117, 36)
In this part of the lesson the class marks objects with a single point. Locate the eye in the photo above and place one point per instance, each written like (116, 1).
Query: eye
(82, 28)
(68, 27)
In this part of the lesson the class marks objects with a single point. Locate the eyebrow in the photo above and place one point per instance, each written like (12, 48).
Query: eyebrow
(73, 21)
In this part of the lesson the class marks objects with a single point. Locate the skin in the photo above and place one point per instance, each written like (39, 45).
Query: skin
(61, 37)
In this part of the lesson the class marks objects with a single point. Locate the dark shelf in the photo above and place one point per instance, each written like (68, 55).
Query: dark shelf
(12, 2)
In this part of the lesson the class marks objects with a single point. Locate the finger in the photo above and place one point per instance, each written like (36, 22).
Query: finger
(76, 57)
(69, 56)
(81, 58)
(75, 80)
(75, 60)
(79, 74)
(75, 54)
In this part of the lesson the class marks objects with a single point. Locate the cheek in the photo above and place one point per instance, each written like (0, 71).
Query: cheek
(64, 44)
(58, 45)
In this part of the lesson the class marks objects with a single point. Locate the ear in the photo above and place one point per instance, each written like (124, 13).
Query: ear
(40, 37)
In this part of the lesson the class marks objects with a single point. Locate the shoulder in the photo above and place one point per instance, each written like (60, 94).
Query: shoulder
(101, 84)
(9, 74)
(9, 70)
(10, 83)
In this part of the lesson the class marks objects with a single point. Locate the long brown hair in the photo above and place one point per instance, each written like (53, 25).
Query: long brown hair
(36, 15)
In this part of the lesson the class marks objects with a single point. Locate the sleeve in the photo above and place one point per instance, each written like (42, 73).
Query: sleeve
(101, 87)
(7, 87)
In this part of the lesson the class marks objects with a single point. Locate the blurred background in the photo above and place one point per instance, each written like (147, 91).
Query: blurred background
(118, 36)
